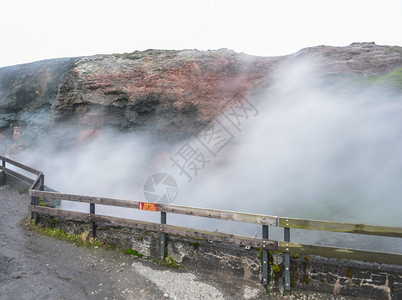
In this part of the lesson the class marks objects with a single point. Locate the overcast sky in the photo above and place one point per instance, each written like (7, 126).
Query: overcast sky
(41, 29)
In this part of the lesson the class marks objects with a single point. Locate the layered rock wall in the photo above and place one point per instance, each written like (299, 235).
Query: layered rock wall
(163, 92)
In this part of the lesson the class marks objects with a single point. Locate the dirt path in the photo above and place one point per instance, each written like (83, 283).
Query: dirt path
(34, 266)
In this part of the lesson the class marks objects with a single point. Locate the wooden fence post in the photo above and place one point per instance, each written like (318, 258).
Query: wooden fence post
(163, 237)
(42, 182)
(265, 276)
(35, 200)
(287, 260)
(34, 215)
(3, 173)
(92, 225)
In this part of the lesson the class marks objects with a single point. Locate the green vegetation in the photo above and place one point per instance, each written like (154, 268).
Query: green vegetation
(277, 268)
(293, 278)
(110, 246)
(22, 190)
(358, 282)
(42, 202)
(277, 271)
(169, 262)
(130, 251)
(195, 245)
(392, 79)
(53, 220)
(82, 239)
(306, 279)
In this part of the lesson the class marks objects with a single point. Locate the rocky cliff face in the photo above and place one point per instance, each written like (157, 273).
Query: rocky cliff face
(169, 93)
(161, 91)
(27, 93)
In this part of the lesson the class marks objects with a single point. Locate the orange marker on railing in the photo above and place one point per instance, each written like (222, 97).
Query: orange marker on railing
(148, 206)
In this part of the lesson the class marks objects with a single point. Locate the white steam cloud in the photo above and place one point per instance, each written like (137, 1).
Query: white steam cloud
(316, 150)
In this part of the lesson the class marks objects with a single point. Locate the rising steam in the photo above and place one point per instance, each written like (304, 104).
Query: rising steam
(317, 149)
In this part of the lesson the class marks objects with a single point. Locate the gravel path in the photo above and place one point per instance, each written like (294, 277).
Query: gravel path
(34, 266)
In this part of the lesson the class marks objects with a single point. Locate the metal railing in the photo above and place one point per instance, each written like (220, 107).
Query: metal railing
(264, 243)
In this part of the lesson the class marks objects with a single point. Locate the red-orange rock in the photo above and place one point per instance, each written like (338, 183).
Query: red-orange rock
(161, 91)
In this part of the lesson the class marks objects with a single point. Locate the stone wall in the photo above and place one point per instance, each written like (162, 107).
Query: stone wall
(346, 277)
(238, 264)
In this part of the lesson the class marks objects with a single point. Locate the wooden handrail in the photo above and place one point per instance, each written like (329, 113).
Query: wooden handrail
(235, 216)
(210, 213)
(176, 209)
(265, 220)
(17, 175)
(340, 227)
(19, 165)
(344, 253)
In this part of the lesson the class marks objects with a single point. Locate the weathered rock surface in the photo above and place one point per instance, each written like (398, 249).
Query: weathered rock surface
(27, 93)
(359, 59)
(169, 93)
(161, 91)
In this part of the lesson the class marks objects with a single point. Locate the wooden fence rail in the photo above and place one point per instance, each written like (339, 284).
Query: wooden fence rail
(168, 208)
(37, 191)
(341, 227)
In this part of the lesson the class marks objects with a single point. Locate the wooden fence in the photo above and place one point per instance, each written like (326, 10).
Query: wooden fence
(264, 243)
